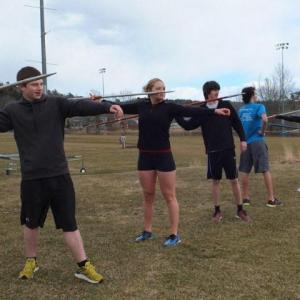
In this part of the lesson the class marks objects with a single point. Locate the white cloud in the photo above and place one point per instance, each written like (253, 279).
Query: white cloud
(187, 92)
(71, 20)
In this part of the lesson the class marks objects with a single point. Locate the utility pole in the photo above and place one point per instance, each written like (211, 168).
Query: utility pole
(43, 40)
(43, 44)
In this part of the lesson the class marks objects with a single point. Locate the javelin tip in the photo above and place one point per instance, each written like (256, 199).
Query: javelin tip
(27, 80)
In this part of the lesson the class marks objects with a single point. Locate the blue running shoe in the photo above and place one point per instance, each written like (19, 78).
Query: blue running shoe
(146, 235)
(172, 240)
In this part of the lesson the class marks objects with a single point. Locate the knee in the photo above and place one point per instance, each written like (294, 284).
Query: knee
(169, 197)
(149, 195)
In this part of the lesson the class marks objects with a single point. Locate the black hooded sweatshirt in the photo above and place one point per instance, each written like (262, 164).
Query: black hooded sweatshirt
(39, 131)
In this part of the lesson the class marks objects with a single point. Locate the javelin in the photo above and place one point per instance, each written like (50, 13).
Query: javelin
(286, 113)
(27, 80)
(122, 95)
(112, 121)
(215, 99)
(136, 116)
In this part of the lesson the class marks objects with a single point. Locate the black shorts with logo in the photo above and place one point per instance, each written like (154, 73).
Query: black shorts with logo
(38, 195)
(163, 162)
(217, 161)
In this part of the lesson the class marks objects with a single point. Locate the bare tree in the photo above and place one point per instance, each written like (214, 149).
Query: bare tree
(268, 90)
(278, 87)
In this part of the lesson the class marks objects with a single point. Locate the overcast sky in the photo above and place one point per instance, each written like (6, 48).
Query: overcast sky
(185, 43)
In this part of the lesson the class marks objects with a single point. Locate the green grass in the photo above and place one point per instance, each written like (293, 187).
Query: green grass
(230, 260)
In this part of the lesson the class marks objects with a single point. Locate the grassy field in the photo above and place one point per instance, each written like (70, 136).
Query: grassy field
(230, 260)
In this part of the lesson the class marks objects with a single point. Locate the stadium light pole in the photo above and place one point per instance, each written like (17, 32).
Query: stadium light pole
(282, 46)
(102, 72)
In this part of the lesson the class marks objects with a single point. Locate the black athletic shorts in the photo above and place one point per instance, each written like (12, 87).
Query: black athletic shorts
(163, 162)
(217, 161)
(38, 195)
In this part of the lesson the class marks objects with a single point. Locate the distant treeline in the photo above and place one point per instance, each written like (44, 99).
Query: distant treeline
(81, 123)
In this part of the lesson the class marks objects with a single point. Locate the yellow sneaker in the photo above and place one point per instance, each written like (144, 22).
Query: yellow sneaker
(29, 269)
(89, 274)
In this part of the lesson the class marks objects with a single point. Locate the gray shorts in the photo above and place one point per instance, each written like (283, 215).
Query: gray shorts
(256, 155)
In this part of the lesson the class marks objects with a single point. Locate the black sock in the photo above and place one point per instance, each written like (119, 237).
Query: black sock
(239, 207)
(217, 208)
(172, 236)
(82, 263)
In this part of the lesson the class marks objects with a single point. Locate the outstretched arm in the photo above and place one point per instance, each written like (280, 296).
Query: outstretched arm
(289, 118)
(188, 111)
(72, 108)
(5, 121)
(190, 124)
(200, 115)
(130, 108)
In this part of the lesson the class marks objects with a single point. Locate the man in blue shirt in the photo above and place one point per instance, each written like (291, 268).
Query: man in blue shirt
(254, 120)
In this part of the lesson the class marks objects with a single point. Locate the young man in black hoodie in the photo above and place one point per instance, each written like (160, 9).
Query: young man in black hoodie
(38, 123)
(220, 148)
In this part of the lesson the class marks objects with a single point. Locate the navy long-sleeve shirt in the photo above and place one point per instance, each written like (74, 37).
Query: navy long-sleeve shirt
(216, 130)
(155, 121)
(39, 131)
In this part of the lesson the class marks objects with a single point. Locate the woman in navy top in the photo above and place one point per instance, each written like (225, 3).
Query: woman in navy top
(155, 156)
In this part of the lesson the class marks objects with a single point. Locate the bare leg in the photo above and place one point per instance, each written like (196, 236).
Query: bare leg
(167, 182)
(269, 185)
(245, 185)
(30, 240)
(74, 242)
(148, 181)
(236, 190)
(216, 192)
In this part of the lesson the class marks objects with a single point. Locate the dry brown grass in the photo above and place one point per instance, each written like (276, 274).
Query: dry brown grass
(228, 261)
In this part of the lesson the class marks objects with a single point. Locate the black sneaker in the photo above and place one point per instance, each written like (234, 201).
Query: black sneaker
(274, 203)
(246, 202)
